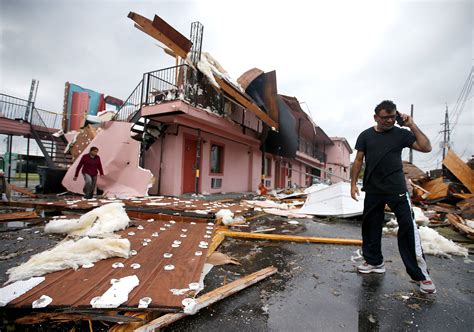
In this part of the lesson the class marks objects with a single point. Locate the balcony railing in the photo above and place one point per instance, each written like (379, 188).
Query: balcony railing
(311, 150)
(20, 109)
(179, 82)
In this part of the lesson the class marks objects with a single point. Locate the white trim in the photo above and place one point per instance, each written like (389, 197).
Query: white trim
(418, 249)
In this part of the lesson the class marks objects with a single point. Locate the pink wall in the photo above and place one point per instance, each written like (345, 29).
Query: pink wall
(338, 160)
(241, 163)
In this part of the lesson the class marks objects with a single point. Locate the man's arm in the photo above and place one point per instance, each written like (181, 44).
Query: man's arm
(100, 167)
(422, 143)
(81, 163)
(356, 167)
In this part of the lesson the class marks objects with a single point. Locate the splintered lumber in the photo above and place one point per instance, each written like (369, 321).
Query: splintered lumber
(460, 170)
(216, 241)
(163, 32)
(437, 188)
(293, 238)
(23, 191)
(467, 208)
(211, 297)
(18, 216)
(459, 223)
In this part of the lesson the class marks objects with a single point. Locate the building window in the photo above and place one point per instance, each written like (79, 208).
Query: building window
(268, 183)
(216, 183)
(290, 170)
(217, 159)
(267, 167)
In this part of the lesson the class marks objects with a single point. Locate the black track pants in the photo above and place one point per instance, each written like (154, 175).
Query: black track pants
(409, 243)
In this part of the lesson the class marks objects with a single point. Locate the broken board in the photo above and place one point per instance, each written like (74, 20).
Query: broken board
(460, 170)
(437, 188)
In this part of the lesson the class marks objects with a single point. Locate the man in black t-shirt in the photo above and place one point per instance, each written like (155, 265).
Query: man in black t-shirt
(384, 183)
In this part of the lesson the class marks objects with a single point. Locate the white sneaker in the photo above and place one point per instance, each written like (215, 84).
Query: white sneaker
(367, 268)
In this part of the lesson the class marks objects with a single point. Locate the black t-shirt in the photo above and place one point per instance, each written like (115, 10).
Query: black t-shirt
(383, 159)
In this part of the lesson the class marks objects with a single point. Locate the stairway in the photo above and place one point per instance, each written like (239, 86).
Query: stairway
(53, 149)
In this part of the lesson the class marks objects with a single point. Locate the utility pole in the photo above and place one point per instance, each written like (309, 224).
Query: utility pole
(410, 156)
(446, 133)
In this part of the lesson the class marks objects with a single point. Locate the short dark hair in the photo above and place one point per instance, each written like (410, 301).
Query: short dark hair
(387, 105)
(94, 148)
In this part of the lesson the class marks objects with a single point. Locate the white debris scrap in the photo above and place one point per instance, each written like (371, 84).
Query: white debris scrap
(226, 215)
(420, 217)
(102, 220)
(17, 289)
(435, 244)
(70, 254)
(117, 293)
(42, 302)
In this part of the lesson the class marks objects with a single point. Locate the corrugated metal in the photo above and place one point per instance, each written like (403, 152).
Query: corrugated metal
(76, 289)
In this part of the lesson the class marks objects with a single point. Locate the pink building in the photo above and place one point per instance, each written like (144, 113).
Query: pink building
(199, 139)
(338, 160)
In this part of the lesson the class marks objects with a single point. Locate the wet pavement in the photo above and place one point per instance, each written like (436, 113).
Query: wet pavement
(317, 289)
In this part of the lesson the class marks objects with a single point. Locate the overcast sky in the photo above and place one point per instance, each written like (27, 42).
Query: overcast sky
(340, 57)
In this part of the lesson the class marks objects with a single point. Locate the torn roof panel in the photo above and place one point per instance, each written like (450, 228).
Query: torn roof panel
(119, 156)
(76, 289)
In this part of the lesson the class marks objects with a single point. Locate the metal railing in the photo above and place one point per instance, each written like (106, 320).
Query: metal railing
(311, 150)
(179, 82)
(46, 118)
(131, 105)
(14, 108)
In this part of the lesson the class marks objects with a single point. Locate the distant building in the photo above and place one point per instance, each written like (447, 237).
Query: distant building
(338, 159)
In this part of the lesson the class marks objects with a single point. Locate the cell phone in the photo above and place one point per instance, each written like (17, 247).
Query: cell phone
(399, 119)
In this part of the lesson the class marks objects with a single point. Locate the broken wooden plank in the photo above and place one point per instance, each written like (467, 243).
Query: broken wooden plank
(459, 223)
(460, 170)
(216, 241)
(210, 298)
(18, 215)
(177, 46)
(437, 188)
(293, 238)
(245, 102)
(59, 317)
(23, 191)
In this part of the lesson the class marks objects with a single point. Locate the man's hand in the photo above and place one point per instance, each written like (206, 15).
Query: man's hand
(355, 192)
(408, 120)
(74, 178)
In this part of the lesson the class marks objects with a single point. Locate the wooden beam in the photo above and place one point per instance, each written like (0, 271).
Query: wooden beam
(245, 102)
(210, 298)
(216, 241)
(147, 26)
(293, 238)
(460, 170)
(23, 191)
(171, 33)
(18, 216)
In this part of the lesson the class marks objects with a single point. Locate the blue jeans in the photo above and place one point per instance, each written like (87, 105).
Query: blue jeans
(89, 185)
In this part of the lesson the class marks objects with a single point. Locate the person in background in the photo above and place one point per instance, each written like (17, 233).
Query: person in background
(384, 183)
(91, 166)
(4, 187)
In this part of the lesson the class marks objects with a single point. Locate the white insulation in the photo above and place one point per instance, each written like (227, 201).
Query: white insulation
(435, 244)
(100, 221)
(70, 254)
